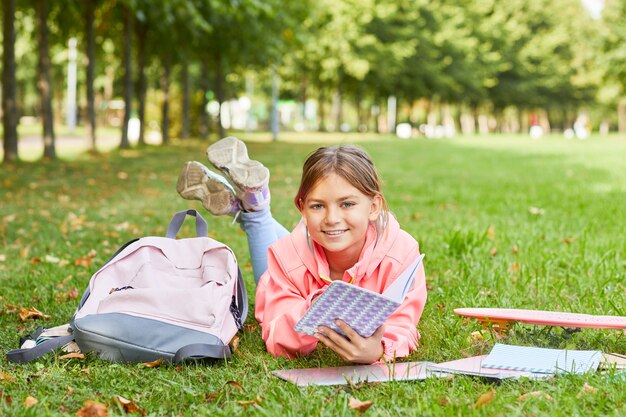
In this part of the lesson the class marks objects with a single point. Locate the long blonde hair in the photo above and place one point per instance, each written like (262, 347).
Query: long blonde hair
(351, 163)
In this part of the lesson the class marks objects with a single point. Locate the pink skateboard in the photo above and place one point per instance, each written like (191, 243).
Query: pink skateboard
(505, 317)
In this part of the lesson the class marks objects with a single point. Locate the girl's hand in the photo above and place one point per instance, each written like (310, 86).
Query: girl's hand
(355, 349)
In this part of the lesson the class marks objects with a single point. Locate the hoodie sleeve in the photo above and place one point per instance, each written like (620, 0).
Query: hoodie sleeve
(279, 305)
(401, 334)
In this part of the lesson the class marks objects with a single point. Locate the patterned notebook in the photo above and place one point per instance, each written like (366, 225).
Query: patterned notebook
(362, 309)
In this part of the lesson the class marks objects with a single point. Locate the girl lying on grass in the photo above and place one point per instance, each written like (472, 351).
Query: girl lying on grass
(346, 233)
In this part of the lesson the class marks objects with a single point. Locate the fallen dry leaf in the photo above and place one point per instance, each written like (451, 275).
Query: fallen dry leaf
(358, 405)
(234, 384)
(72, 355)
(52, 259)
(154, 364)
(211, 397)
(30, 401)
(84, 261)
(569, 240)
(7, 398)
(587, 390)
(514, 250)
(128, 405)
(10, 308)
(250, 327)
(93, 409)
(477, 336)
(24, 251)
(536, 211)
(514, 267)
(31, 313)
(9, 217)
(534, 394)
(248, 403)
(234, 343)
(491, 232)
(493, 251)
(5, 377)
(72, 294)
(485, 399)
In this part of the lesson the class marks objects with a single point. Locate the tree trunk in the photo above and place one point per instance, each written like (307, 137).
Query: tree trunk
(219, 92)
(204, 115)
(447, 121)
(303, 98)
(483, 122)
(339, 105)
(165, 109)
(90, 35)
(128, 75)
(621, 117)
(184, 132)
(375, 113)
(9, 104)
(358, 104)
(322, 110)
(44, 86)
(142, 35)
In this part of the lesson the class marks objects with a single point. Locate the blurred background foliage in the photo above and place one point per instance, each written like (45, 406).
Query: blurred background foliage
(182, 68)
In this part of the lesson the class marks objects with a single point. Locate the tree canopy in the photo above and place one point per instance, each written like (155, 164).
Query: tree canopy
(475, 56)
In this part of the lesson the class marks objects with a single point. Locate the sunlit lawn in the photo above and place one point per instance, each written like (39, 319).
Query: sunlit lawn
(504, 221)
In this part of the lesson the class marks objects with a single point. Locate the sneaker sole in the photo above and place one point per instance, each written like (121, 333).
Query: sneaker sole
(231, 156)
(194, 183)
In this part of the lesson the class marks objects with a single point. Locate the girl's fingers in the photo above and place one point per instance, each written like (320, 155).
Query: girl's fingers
(347, 330)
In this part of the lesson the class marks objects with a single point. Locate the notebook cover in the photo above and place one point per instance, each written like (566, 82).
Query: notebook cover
(541, 360)
(473, 366)
(400, 371)
(362, 309)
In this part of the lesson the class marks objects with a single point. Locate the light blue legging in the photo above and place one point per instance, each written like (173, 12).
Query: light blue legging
(262, 230)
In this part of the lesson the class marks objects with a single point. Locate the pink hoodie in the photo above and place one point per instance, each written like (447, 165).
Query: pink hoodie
(296, 272)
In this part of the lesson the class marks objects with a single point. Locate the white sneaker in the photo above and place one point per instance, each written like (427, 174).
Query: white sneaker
(197, 182)
(249, 177)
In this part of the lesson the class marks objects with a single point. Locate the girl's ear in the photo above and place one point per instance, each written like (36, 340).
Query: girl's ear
(301, 209)
(375, 208)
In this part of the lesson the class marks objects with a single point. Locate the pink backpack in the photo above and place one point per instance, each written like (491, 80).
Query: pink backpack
(159, 297)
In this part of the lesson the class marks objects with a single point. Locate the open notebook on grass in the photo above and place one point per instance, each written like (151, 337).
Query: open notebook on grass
(542, 360)
(342, 375)
(362, 309)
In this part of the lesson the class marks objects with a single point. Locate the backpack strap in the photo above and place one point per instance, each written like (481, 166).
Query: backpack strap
(40, 349)
(242, 300)
(202, 229)
(197, 351)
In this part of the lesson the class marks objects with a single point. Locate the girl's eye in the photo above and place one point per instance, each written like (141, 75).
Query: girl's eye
(348, 204)
(316, 206)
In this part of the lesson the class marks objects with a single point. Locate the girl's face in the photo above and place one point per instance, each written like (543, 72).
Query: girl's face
(337, 216)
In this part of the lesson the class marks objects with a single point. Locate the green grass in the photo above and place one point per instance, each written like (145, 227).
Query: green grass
(504, 221)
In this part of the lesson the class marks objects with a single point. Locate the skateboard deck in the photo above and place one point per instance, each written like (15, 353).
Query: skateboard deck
(505, 317)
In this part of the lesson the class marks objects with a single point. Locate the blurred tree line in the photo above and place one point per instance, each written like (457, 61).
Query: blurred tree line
(468, 65)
